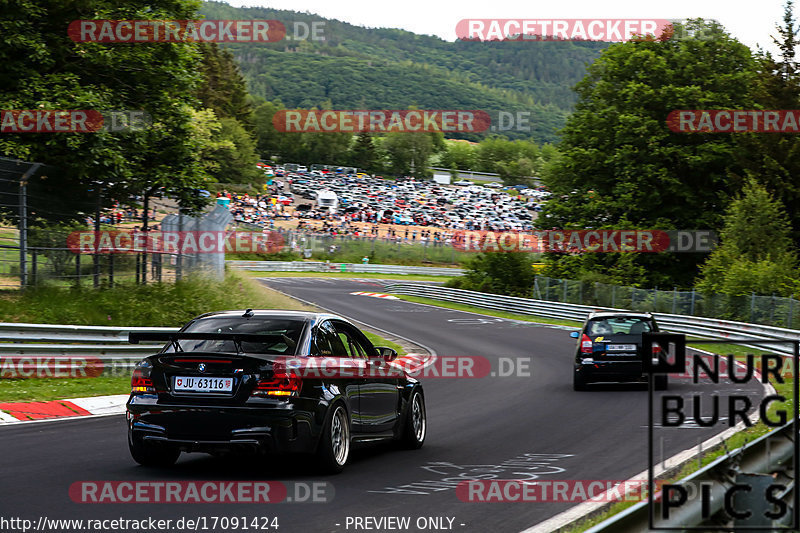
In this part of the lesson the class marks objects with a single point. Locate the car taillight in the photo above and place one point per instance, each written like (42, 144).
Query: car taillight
(140, 383)
(278, 386)
(586, 344)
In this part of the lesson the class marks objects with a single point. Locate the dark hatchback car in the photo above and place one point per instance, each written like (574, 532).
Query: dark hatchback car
(254, 381)
(610, 350)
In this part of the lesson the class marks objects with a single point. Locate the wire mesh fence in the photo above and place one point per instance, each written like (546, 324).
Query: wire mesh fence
(49, 260)
(768, 310)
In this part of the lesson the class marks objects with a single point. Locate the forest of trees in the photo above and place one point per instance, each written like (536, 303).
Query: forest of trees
(361, 68)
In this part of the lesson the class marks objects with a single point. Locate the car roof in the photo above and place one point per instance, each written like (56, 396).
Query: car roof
(266, 313)
(612, 314)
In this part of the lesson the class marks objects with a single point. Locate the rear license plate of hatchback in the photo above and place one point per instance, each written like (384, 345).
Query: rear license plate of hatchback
(202, 384)
(621, 348)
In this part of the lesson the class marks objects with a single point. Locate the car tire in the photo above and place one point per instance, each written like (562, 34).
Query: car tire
(578, 382)
(334, 445)
(150, 455)
(415, 428)
(660, 382)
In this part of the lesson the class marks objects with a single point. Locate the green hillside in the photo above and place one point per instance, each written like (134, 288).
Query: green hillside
(357, 67)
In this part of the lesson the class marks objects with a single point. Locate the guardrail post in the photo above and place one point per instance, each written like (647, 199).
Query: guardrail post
(613, 296)
(33, 266)
(694, 294)
(564, 283)
(674, 298)
(772, 308)
(752, 305)
(77, 270)
(655, 299)
(791, 311)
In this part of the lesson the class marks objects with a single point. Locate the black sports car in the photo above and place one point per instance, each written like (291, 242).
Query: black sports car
(610, 349)
(270, 382)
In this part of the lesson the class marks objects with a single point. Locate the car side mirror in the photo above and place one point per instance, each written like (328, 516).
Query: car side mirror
(387, 354)
(574, 334)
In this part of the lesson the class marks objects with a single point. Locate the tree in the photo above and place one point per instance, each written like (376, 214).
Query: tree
(620, 166)
(410, 151)
(459, 155)
(44, 69)
(363, 154)
(224, 89)
(774, 158)
(498, 273)
(234, 154)
(757, 253)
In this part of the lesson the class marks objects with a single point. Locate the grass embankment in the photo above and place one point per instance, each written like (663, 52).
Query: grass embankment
(129, 305)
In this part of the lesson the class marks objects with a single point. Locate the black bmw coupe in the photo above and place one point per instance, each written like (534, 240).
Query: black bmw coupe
(270, 381)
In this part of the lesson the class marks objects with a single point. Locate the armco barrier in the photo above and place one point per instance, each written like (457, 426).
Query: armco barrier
(758, 456)
(319, 266)
(689, 325)
(45, 350)
(771, 454)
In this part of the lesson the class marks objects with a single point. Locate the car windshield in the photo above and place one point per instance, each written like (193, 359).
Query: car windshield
(284, 332)
(619, 326)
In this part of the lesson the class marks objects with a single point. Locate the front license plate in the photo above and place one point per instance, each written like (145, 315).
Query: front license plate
(198, 384)
(621, 348)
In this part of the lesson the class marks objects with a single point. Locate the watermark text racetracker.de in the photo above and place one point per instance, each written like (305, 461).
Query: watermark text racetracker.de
(73, 120)
(202, 492)
(581, 241)
(734, 120)
(425, 366)
(180, 31)
(607, 30)
(563, 490)
(174, 242)
(380, 120)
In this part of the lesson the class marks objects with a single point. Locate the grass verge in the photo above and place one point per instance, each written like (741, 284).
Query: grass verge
(489, 312)
(128, 304)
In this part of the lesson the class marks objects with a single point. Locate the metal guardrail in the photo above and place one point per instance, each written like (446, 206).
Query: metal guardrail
(33, 340)
(762, 455)
(690, 325)
(772, 454)
(319, 266)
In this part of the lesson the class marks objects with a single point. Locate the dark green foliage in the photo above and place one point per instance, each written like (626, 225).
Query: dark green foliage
(360, 68)
(623, 168)
(498, 273)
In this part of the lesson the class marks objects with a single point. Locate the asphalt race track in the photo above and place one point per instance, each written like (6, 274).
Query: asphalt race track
(491, 425)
